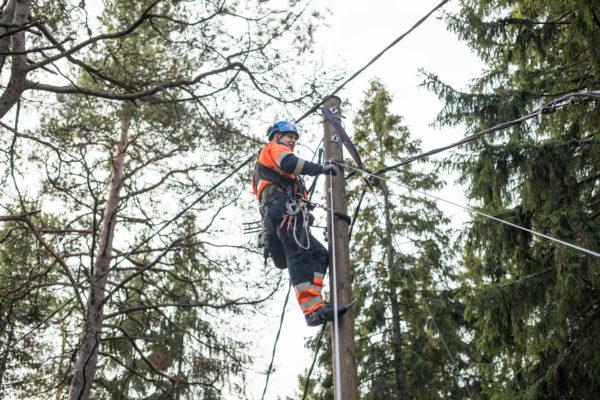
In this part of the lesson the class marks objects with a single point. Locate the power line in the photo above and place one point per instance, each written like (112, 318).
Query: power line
(356, 211)
(354, 75)
(483, 214)
(311, 110)
(545, 109)
(313, 185)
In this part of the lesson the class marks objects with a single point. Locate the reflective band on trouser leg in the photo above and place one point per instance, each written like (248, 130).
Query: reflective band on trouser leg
(306, 289)
(302, 286)
(312, 304)
(318, 280)
(309, 297)
(303, 295)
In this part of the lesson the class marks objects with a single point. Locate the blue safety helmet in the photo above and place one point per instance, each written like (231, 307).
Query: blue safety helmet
(283, 127)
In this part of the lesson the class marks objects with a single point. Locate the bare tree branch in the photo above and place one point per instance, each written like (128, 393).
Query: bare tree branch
(106, 36)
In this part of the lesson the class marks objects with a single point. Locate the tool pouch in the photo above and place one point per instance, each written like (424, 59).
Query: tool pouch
(271, 244)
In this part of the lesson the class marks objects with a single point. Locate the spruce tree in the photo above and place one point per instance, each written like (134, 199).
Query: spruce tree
(532, 303)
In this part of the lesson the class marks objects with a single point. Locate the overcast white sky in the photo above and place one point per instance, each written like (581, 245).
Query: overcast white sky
(357, 31)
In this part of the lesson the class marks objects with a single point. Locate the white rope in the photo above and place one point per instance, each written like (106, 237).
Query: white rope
(293, 208)
(336, 326)
(305, 223)
(483, 214)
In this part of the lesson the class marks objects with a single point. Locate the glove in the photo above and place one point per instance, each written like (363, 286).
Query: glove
(330, 169)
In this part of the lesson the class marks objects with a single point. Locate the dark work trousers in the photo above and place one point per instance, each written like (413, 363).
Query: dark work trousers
(303, 264)
(307, 267)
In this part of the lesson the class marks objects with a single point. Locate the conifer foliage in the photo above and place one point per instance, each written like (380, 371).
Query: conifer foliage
(402, 271)
(535, 309)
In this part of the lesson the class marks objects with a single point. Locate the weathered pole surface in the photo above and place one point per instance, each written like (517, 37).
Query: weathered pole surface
(348, 385)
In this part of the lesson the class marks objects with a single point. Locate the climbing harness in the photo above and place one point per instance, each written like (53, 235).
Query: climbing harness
(269, 237)
(295, 207)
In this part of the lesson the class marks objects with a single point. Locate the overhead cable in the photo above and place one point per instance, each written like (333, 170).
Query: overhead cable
(356, 211)
(545, 109)
(483, 214)
(354, 75)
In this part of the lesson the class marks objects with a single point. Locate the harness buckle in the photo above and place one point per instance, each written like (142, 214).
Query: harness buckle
(292, 207)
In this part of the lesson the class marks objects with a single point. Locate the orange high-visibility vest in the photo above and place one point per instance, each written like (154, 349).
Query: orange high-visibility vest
(267, 170)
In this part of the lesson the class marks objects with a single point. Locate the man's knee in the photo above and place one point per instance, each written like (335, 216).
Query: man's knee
(319, 252)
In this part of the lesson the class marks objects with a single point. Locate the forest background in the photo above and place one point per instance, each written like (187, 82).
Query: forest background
(138, 133)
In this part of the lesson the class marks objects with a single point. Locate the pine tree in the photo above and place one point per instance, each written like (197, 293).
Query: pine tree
(146, 299)
(534, 310)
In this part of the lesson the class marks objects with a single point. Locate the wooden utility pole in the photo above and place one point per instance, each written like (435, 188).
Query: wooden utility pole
(347, 387)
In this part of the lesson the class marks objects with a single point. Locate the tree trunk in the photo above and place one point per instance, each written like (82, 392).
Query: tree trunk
(396, 338)
(18, 82)
(8, 14)
(87, 355)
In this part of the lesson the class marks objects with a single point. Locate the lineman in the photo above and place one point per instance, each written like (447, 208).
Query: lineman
(282, 196)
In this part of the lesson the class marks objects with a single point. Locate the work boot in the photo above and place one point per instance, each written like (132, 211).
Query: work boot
(324, 313)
